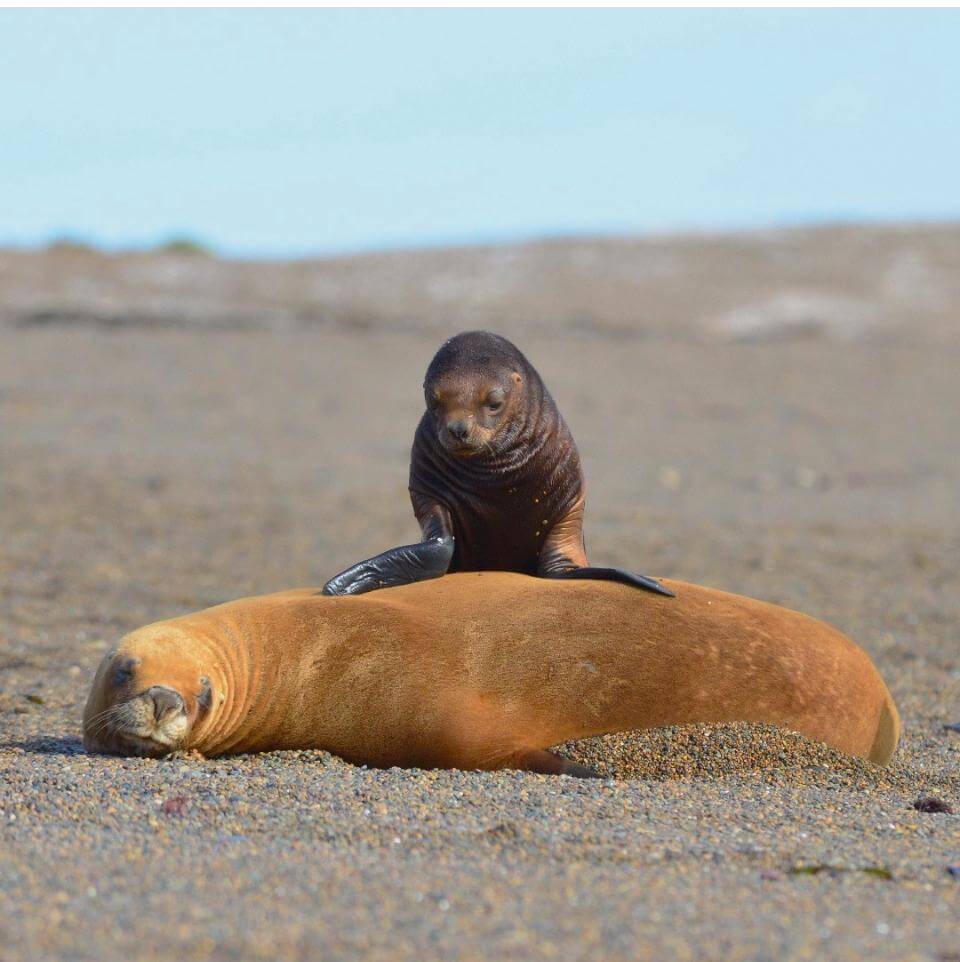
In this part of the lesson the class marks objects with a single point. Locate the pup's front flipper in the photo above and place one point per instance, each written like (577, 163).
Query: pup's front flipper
(546, 763)
(563, 556)
(612, 574)
(398, 566)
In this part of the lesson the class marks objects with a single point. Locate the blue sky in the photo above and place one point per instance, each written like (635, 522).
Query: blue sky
(318, 131)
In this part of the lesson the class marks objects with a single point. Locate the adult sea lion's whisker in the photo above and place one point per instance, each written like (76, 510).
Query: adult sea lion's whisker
(103, 720)
(99, 716)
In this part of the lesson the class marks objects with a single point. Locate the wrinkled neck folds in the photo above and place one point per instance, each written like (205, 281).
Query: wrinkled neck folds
(237, 676)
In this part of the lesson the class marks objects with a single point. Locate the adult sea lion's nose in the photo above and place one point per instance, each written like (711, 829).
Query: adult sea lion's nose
(166, 702)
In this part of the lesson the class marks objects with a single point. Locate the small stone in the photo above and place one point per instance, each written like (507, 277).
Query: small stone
(174, 806)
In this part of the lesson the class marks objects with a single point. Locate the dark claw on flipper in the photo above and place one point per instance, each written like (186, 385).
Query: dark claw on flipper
(398, 566)
(614, 574)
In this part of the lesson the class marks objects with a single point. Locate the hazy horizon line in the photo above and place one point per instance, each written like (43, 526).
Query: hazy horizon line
(194, 242)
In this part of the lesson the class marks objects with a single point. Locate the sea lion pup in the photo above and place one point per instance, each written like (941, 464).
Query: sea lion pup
(495, 478)
(479, 671)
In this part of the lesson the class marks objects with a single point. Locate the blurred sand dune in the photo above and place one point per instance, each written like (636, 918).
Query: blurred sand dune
(887, 283)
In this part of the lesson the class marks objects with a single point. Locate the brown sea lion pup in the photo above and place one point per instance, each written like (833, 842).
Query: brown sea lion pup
(479, 671)
(495, 478)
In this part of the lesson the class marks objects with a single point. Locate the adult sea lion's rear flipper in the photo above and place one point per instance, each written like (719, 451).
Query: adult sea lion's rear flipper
(398, 566)
(612, 574)
(546, 763)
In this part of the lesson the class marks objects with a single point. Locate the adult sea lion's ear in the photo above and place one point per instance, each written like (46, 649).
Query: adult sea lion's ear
(515, 377)
(205, 698)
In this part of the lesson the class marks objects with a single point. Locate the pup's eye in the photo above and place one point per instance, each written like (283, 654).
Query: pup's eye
(494, 406)
(121, 675)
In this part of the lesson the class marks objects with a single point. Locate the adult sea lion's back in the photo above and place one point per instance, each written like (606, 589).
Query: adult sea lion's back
(708, 656)
(484, 670)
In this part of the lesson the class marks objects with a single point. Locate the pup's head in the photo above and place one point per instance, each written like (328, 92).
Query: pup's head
(474, 389)
(147, 698)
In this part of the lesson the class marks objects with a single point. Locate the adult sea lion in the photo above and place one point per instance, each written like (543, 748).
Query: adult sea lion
(495, 478)
(479, 671)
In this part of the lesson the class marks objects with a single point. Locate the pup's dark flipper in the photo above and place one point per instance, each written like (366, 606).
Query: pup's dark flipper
(398, 566)
(613, 574)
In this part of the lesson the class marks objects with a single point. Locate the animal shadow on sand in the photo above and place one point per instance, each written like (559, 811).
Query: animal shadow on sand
(65, 745)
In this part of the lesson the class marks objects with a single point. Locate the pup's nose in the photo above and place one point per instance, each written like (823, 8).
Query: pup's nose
(166, 702)
(459, 430)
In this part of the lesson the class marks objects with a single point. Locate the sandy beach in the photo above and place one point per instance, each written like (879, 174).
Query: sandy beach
(774, 415)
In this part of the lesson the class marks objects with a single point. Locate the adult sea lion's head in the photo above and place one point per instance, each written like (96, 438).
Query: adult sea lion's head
(147, 697)
(476, 389)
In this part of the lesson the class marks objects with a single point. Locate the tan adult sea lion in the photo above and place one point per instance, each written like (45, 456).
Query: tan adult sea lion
(479, 671)
(495, 478)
